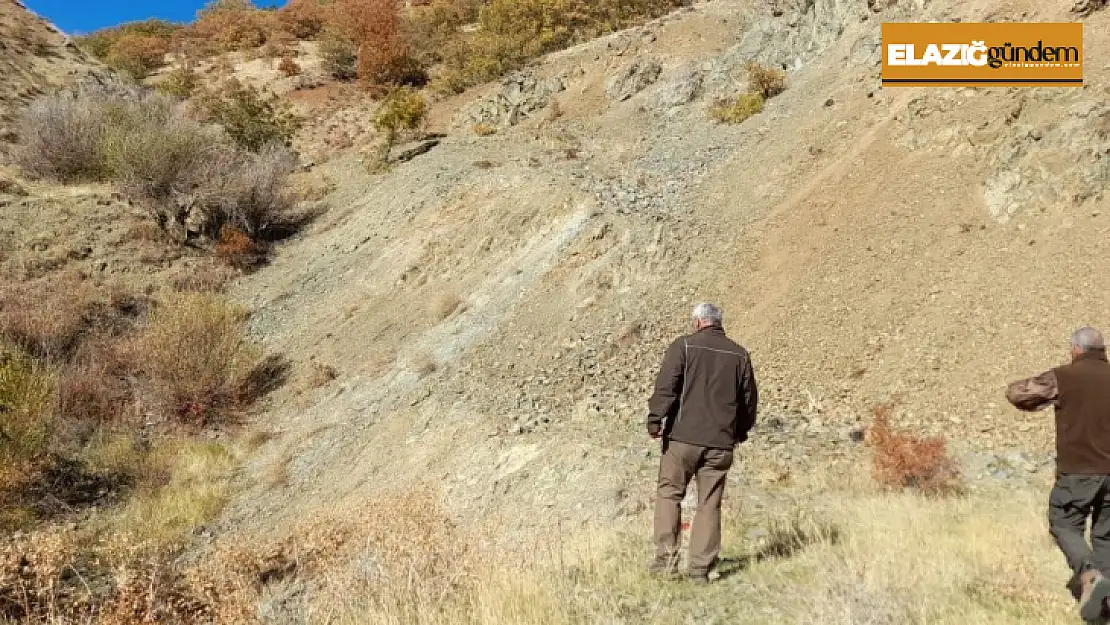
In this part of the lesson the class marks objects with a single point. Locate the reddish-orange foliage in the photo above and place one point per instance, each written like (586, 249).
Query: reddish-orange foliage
(376, 26)
(906, 461)
(239, 250)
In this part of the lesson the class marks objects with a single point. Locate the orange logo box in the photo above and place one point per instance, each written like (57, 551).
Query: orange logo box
(983, 55)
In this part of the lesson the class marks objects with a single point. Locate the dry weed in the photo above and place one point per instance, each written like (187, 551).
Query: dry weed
(904, 461)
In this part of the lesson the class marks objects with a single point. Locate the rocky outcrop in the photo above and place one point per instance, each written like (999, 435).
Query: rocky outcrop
(518, 97)
(632, 78)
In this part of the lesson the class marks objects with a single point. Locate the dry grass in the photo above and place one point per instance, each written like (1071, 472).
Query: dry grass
(842, 558)
(198, 486)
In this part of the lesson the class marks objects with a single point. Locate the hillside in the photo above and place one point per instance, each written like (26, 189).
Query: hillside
(500, 304)
(473, 334)
(35, 58)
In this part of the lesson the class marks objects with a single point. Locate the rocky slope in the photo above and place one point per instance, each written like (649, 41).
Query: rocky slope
(496, 308)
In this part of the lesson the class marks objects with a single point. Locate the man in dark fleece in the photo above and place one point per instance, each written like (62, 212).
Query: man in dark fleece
(704, 404)
(1080, 393)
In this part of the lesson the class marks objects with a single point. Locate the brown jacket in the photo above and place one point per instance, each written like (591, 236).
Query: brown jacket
(705, 393)
(1080, 393)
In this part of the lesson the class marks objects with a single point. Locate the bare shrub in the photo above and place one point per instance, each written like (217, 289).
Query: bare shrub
(62, 137)
(93, 387)
(193, 358)
(905, 461)
(253, 194)
(179, 168)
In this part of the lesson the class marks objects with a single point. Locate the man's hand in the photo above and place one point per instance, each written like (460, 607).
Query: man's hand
(654, 430)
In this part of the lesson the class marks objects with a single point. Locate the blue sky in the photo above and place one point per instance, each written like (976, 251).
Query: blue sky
(83, 16)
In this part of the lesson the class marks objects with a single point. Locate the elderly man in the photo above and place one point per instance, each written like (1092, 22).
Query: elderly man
(704, 405)
(1080, 392)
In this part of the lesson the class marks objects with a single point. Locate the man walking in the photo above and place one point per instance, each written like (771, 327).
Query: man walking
(704, 405)
(1080, 392)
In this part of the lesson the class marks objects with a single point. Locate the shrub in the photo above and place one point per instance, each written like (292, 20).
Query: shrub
(180, 82)
(383, 55)
(62, 137)
(101, 42)
(904, 461)
(766, 81)
(233, 25)
(248, 116)
(46, 319)
(253, 194)
(137, 55)
(303, 19)
(339, 56)
(193, 357)
(736, 112)
(510, 32)
(289, 67)
(26, 396)
(403, 109)
(430, 29)
(188, 174)
(239, 250)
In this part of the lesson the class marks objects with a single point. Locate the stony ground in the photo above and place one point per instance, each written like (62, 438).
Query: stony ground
(487, 318)
(494, 310)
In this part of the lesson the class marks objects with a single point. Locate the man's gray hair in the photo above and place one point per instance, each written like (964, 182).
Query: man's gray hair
(708, 312)
(1087, 339)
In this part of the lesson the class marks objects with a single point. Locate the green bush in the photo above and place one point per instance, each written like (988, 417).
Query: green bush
(248, 116)
(741, 109)
(402, 110)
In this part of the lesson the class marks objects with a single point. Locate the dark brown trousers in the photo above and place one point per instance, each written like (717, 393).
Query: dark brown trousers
(680, 464)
